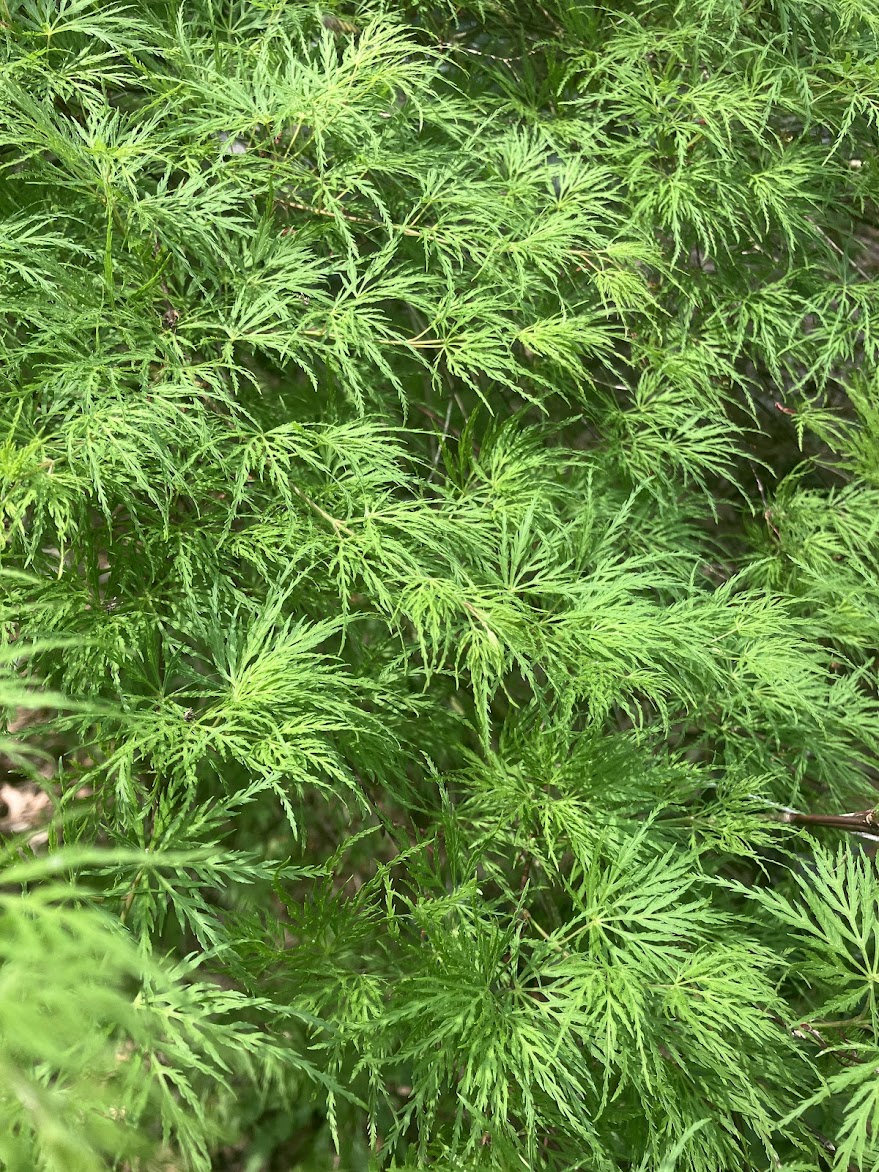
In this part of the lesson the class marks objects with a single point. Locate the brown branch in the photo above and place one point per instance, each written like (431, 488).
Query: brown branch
(860, 822)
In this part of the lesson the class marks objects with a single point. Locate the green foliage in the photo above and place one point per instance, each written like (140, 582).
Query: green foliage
(439, 452)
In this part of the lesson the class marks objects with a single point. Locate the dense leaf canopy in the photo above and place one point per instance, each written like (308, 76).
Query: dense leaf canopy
(439, 480)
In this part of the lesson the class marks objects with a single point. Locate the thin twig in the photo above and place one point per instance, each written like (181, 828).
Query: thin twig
(338, 525)
(366, 221)
(443, 437)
